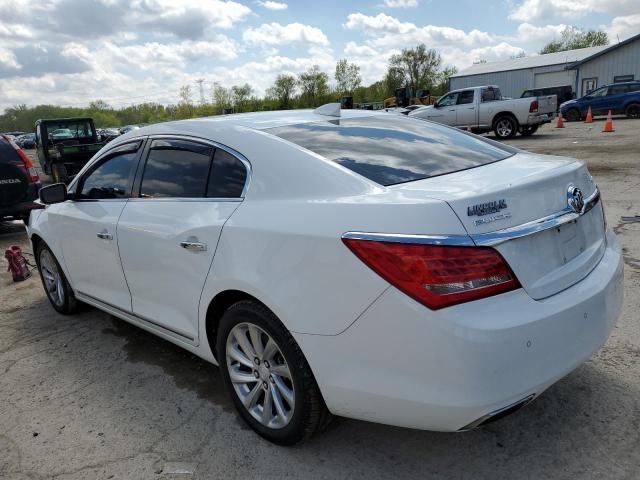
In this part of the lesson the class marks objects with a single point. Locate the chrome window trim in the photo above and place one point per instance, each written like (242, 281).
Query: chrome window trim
(489, 239)
(186, 199)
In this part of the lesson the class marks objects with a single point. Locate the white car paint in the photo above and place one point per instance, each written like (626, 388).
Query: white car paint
(377, 354)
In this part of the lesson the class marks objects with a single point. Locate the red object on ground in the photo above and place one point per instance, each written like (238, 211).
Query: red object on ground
(608, 125)
(560, 123)
(17, 263)
(589, 118)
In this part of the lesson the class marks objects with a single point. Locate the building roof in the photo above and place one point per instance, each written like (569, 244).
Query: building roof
(608, 49)
(558, 58)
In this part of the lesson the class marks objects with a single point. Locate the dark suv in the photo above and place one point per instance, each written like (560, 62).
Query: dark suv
(19, 181)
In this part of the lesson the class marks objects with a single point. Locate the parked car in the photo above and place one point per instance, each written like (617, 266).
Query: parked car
(357, 263)
(564, 93)
(28, 140)
(482, 109)
(19, 181)
(620, 98)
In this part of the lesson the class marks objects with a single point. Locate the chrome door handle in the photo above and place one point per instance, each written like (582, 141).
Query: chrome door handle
(194, 246)
(104, 235)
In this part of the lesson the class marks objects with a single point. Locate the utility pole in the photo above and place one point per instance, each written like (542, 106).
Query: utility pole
(199, 82)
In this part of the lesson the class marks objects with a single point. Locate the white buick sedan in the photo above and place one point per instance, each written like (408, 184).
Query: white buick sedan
(353, 263)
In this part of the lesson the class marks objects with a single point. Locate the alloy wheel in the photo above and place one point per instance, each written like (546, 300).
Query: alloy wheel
(53, 281)
(260, 375)
(504, 128)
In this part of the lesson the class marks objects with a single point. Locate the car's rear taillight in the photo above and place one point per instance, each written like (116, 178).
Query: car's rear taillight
(435, 275)
(30, 170)
(533, 107)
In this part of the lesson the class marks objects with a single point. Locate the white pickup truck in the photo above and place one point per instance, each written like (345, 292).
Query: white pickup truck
(482, 109)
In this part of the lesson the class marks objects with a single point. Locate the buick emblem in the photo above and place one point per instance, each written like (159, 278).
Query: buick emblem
(575, 199)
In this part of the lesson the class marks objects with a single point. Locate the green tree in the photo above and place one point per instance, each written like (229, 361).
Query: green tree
(314, 86)
(418, 67)
(347, 76)
(283, 90)
(221, 98)
(573, 38)
(185, 104)
(241, 95)
(442, 86)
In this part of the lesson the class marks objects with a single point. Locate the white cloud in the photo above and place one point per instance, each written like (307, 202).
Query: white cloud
(623, 27)
(270, 5)
(400, 3)
(352, 49)
(531, 10)
(277, 34)
(390, 32)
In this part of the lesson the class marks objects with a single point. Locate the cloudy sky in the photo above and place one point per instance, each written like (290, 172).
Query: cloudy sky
(69, 52)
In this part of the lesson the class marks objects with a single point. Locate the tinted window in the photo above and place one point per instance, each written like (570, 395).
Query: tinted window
(465, 97)
(390, 149)
(228, 176)
(634, 87)
(176, 168)
(618, 89)
(109, 179)
(490, 94)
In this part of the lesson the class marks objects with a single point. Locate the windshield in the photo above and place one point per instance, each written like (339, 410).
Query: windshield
(69, 129)
(391, 149)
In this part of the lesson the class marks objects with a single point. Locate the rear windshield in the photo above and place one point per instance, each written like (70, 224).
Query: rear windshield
(391, 149)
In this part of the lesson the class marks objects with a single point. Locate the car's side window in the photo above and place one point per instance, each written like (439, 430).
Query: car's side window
(618, 89)
(176, 168)
(448, 100)
(110, 178)
(228, 176)
(465, 97)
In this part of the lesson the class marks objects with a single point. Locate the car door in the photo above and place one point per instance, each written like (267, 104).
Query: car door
(445, 110)
(466, 114)
(86, 226)
(598, 100)
(616, 95)
(186, 190)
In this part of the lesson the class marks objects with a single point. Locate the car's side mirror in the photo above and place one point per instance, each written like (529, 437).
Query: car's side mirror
(435, 105)
(55, 193)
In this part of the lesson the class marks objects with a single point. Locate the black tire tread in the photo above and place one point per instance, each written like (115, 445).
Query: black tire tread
(71, 305)
(316, 417)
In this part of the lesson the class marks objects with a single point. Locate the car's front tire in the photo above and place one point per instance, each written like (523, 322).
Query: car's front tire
(55, 284)
(267, 376)
(572, 115)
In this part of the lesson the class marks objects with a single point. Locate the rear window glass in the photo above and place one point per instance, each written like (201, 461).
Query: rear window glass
(390, 149)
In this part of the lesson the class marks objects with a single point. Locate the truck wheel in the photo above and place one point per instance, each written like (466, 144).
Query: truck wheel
(572, 115)
(505, 127)
(527, 131)
(632, 110)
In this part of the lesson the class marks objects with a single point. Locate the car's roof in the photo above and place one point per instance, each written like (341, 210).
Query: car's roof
(255, 120)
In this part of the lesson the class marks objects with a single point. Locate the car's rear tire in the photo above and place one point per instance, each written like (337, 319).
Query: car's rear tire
(572, 115)
(529, 130)
(632, 110)
(267, 376)
(55, 284)
(505, 127)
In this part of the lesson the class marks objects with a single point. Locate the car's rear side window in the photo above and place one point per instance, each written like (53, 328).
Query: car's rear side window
(228, 176)
(176, 168)
(391, 149)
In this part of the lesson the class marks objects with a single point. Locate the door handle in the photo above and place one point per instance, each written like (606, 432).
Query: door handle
(104, 235)
(194, 246)
(452, 110)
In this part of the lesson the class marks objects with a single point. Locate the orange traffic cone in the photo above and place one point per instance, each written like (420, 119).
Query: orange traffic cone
(560, 123)
(589, 118)
(608, 125)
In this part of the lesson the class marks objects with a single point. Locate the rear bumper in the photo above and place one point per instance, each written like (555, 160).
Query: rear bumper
(404, 365)
(539, 119)
(27, 204)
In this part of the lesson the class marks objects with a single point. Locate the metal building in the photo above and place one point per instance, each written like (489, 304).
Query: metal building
(584, 69)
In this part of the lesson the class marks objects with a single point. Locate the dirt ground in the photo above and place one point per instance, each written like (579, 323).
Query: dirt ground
(91, 397)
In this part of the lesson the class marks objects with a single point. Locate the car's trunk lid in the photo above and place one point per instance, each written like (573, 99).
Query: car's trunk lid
(516, 191)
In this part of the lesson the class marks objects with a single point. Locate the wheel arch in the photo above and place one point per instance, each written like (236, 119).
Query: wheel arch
(504, 113)
(215, 310)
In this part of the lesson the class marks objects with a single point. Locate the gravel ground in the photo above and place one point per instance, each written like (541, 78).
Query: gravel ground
(92, 397)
